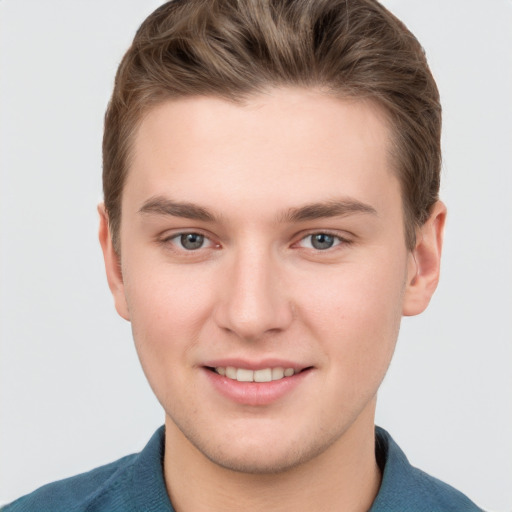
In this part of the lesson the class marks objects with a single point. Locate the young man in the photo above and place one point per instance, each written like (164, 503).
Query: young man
(271, 176)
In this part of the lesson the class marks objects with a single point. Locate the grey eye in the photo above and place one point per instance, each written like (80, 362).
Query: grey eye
(322, 241)
(192, 241)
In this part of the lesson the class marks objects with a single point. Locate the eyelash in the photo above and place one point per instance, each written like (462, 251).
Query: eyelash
(337, 241)
(179, 237)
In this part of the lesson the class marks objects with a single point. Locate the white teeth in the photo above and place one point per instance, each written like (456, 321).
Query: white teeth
(277, 373)
(243, 375)
(230, 372)
(263, 375)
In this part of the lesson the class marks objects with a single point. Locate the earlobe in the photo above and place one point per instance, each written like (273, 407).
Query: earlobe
(425, 262)
(112, 265)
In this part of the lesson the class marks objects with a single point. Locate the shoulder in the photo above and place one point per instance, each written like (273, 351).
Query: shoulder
(77, 492)
(133, 482)
(405, 487)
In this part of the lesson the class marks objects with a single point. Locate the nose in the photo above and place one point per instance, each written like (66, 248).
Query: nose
(253, 301)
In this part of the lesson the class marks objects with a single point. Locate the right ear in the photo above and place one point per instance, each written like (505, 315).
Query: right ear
(112, 265)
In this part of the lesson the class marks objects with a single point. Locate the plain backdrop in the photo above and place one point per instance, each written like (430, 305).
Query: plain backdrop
(72, 395)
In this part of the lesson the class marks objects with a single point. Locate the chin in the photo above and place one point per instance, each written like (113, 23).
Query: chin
(259, 465)
(262, 455)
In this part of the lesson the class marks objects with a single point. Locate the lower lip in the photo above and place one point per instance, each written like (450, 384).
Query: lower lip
(255, 393)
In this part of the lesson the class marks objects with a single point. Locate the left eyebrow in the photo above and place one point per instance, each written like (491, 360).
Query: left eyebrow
(334, 208)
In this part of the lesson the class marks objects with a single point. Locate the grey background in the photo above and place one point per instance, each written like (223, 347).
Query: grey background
(72, 395)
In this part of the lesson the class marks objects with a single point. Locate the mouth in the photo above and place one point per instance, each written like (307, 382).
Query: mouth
(256, 384)
(270, 374)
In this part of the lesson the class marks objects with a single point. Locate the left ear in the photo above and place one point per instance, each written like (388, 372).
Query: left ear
(425, 262)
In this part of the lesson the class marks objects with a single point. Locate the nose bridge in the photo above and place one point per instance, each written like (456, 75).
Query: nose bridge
(254, 301)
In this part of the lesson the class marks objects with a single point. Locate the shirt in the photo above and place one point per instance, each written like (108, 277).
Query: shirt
(136, 483)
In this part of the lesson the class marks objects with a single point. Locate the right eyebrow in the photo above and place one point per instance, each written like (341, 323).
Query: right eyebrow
(160, 205)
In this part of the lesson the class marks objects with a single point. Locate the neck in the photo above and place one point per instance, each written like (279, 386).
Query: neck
(344, 477)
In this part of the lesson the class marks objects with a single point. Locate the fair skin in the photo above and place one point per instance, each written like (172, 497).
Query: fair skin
(260, 238)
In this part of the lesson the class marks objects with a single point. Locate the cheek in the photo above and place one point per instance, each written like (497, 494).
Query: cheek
(160, 294)
(356, 312)
(168, 310)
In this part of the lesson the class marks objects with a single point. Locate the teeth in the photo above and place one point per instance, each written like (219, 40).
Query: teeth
(244, 375)
(264, 375)
(277, 373)
(230, 372)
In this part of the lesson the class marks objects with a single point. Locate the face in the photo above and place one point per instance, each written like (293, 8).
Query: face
(264, 271)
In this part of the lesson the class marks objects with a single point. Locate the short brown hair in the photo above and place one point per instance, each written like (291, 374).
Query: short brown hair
(235, 48)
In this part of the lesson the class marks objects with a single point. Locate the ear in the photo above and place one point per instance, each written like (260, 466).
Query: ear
(425, 262)
(112, 265)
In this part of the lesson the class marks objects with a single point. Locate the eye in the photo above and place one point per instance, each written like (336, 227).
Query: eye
(320, 241)
(190, 241)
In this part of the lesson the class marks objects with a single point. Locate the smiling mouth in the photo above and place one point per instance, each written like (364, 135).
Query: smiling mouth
(263, 375)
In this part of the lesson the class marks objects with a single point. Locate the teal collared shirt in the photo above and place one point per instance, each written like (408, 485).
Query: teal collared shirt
(136, 483)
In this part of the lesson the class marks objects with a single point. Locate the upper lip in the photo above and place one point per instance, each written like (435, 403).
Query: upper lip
(255, 365)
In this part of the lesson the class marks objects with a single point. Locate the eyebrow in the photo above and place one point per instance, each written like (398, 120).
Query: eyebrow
(333, 208)
(163, 206)
(160, 205)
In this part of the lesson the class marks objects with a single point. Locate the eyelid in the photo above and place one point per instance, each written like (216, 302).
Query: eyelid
(342, 240)
(169, 238)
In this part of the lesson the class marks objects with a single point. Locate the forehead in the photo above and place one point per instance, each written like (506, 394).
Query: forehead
(288, 145)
